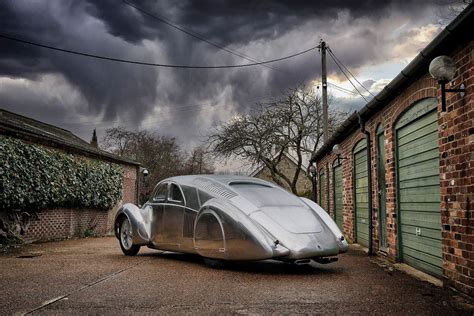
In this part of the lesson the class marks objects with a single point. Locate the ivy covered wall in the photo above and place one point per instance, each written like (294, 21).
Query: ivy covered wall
(34, 178)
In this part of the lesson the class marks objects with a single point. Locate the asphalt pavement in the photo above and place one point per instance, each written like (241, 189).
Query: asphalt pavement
(91, 276)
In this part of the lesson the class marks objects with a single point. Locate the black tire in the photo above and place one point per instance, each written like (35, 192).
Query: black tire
(214, 263)
(125, 238)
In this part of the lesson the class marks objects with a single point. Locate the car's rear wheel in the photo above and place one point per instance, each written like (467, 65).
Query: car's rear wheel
(126, 238)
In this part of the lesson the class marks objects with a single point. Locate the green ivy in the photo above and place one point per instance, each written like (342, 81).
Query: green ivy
(34, 178)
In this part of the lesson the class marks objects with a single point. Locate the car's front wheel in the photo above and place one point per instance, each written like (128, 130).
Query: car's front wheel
(126, 238)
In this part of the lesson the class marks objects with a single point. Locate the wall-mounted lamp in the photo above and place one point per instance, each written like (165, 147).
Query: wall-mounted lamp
(141, 186)
(443, 69)
(144, 171)
(337, 150)
(312, 170)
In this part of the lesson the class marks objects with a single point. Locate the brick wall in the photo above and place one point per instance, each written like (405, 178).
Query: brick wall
(457, 177)
(456, 145)
(62, 223)
(129, 192)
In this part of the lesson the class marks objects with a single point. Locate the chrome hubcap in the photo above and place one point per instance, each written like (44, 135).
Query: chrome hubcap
(126, 234)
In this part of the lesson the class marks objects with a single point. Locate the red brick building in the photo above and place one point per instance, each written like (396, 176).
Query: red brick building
(415, 203)
(68, 222)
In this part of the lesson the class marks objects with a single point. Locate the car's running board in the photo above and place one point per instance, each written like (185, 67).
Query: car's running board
(325, 260)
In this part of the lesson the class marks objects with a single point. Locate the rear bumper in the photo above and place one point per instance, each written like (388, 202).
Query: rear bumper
(308, 246)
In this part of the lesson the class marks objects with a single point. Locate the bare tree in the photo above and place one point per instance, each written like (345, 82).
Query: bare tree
(118, 140)
(161, 155)
(199, 162)
(291, 125)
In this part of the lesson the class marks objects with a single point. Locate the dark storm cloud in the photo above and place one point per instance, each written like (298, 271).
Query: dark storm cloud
(123, 21)
(233, 21)
(109, 91)
(108, 88)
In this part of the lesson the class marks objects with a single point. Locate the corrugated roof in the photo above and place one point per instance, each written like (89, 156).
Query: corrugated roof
(23, 127)
(458, 31)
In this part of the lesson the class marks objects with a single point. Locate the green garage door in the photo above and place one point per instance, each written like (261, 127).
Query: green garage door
(418, 187)
(337, 172)
(361, 195)
(322, 190)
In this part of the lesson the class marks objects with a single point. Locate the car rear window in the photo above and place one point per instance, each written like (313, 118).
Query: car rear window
(264, 195)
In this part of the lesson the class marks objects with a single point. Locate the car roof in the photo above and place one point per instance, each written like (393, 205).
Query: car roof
(217, 185)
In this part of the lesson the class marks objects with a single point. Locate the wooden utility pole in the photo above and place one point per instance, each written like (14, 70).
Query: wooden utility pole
(322, 49)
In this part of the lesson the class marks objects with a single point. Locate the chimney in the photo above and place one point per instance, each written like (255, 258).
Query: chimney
(94, 139)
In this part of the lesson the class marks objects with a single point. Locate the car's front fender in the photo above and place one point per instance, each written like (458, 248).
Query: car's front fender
(139, 219)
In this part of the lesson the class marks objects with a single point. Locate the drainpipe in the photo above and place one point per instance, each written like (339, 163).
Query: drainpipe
(369, 180)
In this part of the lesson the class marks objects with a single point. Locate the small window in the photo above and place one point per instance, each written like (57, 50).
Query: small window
(160, 193)
(175, 194)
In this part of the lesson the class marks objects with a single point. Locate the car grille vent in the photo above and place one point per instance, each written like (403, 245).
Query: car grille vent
(214, 187)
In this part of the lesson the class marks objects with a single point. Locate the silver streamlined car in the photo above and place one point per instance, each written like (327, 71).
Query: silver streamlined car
(229, 218)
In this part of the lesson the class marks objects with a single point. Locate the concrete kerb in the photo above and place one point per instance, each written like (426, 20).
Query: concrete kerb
(384, 263)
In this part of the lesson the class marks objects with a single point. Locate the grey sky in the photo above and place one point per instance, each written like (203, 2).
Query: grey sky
(375, 39)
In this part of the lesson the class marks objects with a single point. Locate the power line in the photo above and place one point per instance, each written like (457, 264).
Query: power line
(340, 68)
(341, 88)
(194, 34)
(201, 37)
(335, 57)
(335, 86)
(151, 64)
(164, 65)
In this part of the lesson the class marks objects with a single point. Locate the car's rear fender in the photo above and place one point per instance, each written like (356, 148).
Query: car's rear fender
(329, 222)
(139, 219)
(222, 231)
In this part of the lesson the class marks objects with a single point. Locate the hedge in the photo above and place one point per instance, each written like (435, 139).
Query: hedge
(34, 178)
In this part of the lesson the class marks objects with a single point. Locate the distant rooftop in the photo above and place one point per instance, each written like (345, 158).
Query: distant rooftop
(19, 126)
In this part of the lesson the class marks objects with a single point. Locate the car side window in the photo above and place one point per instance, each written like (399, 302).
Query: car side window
(175, 194)
(160, 193)
(192, 200)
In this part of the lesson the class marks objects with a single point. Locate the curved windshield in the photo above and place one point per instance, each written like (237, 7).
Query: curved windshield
(262, 195)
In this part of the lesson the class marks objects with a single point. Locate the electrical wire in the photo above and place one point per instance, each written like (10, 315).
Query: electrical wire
(335, 57)
(217, 45)
(152, 64)
(341, 88)
(195, 34)
(340, 68)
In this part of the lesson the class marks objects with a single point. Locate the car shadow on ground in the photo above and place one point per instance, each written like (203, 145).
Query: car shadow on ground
(261, 267)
